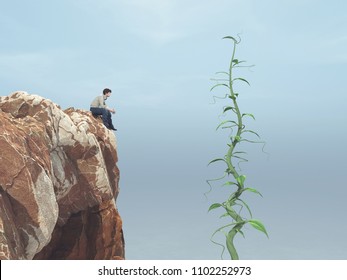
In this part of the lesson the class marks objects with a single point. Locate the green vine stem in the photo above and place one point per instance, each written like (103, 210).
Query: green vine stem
(234, 205)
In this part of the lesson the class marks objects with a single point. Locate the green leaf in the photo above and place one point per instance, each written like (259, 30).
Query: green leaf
(241, 180)
(224, 122)
(217, 85)
(234, 123)
(241, 158)
(215, 160)
(253, 190)
(251, 131)
(224, 215)
(230, 126)
(229, 184)
(240, 152)
(214, 206)
(239, 61)
(240, 231)
(243, 80)
(258, 225)
(228, 108)
(246, 205)
(250, 115)
(222, 72)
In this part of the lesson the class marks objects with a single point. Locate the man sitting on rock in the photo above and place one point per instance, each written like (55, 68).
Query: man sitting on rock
(99, 108)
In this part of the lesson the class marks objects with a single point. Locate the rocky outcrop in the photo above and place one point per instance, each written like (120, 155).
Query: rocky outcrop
(58, 183)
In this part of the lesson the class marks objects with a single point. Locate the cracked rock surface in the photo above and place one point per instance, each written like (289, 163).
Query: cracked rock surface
(58, 183)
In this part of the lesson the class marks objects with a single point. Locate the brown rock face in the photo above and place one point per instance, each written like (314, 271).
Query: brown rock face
(58, 183)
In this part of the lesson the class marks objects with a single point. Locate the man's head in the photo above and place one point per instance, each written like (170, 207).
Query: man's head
(107, 92)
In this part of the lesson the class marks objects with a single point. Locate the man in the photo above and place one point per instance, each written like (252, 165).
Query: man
(99, 108)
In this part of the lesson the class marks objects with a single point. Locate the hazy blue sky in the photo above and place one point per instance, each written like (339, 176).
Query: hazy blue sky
(158, 57)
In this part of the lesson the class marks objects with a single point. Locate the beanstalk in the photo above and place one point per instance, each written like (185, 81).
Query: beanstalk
(234, 204)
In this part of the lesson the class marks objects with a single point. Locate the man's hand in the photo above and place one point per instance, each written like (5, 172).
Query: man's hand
(111, 110)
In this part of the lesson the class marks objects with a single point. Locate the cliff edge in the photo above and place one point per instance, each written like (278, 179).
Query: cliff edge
(58, 183)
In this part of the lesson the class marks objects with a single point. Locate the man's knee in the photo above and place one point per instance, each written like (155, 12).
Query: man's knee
(106, 112)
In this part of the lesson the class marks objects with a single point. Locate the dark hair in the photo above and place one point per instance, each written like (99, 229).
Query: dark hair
(106, 90)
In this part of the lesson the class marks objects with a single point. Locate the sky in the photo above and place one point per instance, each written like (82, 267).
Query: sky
(158, 57)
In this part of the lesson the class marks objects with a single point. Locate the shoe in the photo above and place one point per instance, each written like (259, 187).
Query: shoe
(112, 128)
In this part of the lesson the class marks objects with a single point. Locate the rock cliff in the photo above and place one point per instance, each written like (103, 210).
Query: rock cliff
(58, 183)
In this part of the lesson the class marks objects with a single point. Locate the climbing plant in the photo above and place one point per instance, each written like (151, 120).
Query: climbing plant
(235, 209)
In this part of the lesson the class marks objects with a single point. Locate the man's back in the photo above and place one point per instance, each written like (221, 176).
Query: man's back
(98, 102)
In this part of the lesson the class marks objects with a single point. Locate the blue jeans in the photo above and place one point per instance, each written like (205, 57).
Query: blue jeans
(106, 115)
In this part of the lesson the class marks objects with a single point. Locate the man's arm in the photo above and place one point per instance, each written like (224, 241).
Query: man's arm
(113, 111)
